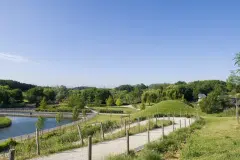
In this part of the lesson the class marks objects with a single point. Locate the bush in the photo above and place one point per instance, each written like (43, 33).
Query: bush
(7, 144)
(111, 111)
(5, 122)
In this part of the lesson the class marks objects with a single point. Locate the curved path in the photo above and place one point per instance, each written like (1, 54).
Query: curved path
(102, 150)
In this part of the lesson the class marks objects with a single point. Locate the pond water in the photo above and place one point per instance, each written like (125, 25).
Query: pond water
(26, 125)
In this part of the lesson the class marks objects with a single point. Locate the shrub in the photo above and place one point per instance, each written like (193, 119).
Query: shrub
(5, 122)
(7, 144)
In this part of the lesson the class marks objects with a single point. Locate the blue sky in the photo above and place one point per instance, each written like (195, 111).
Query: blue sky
(106, 43)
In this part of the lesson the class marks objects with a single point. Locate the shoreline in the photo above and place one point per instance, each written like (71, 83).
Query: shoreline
(31, 135)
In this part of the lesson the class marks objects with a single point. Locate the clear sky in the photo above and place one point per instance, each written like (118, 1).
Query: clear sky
(111, 42)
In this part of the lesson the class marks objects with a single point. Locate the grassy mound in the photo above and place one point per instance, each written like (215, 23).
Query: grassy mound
(5, 122)
(167, 107)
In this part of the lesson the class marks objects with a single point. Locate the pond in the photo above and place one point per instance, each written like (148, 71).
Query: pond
(26, 125)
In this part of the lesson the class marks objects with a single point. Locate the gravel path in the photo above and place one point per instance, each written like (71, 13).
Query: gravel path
(104, 149)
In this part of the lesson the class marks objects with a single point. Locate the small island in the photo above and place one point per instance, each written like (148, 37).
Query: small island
(5, 122)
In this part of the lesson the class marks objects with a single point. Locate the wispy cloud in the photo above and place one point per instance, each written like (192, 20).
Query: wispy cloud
(14, 58)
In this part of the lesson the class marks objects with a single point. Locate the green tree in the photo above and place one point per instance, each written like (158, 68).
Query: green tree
(75, 113)
(84, 114)
(4, 96)
(59, 117)
(213, 103)
(34, 95)
(119, 102)
(142, 106)
(109, 101)
(40, 123)
(49, 93)
(43, 103)
(61, 93)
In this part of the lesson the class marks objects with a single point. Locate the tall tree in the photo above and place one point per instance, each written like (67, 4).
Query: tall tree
(109, 101)
(43, 103)
(234, 81)
(119, 102)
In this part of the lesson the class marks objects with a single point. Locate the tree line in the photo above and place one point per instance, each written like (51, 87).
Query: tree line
(121, 95)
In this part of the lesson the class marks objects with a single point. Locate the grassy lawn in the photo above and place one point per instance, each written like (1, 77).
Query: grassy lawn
(124, 109)
(219, 139)
(104, 118)
(167, 107)
(5, 122)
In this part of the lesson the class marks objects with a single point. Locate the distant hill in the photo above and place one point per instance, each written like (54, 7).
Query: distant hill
(16, 85)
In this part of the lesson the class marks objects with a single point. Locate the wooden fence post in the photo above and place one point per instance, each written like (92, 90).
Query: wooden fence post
(162, 130)
(12, 154)
(138, 125)
(80, 135)
(89, 147)
(173, 123)
(185, 122)
(102, 132)
(121, 123)
(156, 121)
(129, 123)
(148, 130)
(125, 126)
(127, 137)
(189, 121)
(37, 141)
(180, 123)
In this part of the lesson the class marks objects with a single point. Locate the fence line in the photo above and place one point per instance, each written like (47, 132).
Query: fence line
(32, 135)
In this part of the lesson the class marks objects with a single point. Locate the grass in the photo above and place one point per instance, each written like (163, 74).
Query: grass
(60, 140)
(68, 138)
(163, 149)
(124, 110)
(167, 107)
(104, 118)
(143, 128)
(5, 122)
(218, 140)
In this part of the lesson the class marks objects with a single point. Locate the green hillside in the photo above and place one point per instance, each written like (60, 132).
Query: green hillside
(167, 107)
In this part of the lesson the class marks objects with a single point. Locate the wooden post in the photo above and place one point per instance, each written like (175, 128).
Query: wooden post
(89, 147)
(185, 122)
(125, 126)
(139, 125)
(189, 122)
(121, 123)
(12, 154)
(102, 132)
(162, 130)
(80, 135)
(129, 123)
(156, 121)
(180, 123)
(237, 113)
(127, 137)
(148, 130)
(173, 125)
(37, 141)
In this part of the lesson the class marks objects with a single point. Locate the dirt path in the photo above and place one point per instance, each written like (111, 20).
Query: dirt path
(102, 150)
